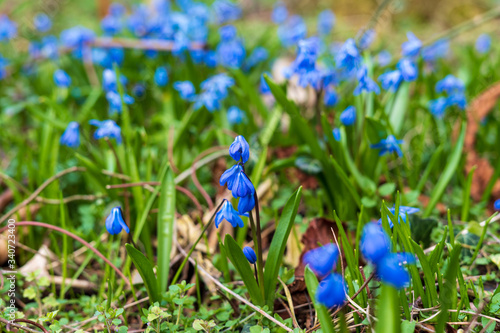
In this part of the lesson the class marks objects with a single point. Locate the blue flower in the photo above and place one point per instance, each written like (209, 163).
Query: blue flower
(389, 146)
(218, 84)
(305, 64)
(106, 129)
(403, 212)
(367, 39)
(61, 79)
(483, 43)
(322, 260)
(185, 89)
(235, 115)
(458, 99)
(109, 80)
(139, 90)
(76, 37)
(50, 49)
(239, 149)
(226, 11)
(116, 9)
(263, 86)
(326, 21)
(228, 213)
(336, 134)
(292, 31)
(375, 244)
(242, 186)
(496, 205)
(331, 97)
(111, 25)
(331, 291)
(258, 55)
(391, 80)
(161, 76)
(384, 58)
(435, 51)
(348, 116)
(250, 255)
(107, 57)
(438, 106)
(412, 46)
(450, 84)
(8, 29)
(348, 56)
(230, 51)
(115, 222)
(115, 102)
(42, 22)
(390, 269)
(408, 69)
(280, 13)
(365, 83)
(246, 204)
(71, 135)
(209, 99)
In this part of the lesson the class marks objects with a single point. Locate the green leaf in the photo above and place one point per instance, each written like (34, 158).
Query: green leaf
(388, 310)
(466, 196)
(278, 245)
(166, 222)
(408, 326)
(241, 264)
(400, 106)
(323, 314)
(428, 272)
(448, 172)
(345, 180)
(145, 269)
(387, 189)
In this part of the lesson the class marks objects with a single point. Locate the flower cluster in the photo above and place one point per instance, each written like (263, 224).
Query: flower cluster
(332, 288)
(110, 85)
(214, 91)
(455, 90)
(376, 249)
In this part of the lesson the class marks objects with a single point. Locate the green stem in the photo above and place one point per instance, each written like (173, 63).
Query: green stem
(257, 237)
(179, 270)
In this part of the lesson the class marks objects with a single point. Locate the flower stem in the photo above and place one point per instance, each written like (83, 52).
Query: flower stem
(257, 236)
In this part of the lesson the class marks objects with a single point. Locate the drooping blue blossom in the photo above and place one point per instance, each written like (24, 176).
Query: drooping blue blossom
(305, 64)
(107, 129)
(384, 58)
(331, 97)
(336, 134)
(139, 90)
(210, 58)
(185, 89)
(263, 86)
(408, 69)
(115, 222)
(228, 213)
(49, 48)
(279, 13)
(450, 84)
(292, 31)
(250, 255)
(8, 29)
(112, 25)
(42, 22)
(226, 11)
(348, 116)
(237, 182)
(331, 291)
(326, 21)
(107, 57)
(61, 78)
(76, 37)
(235, 115)
(411, 47)
(115, 102)
(388, 146)
(214, 90)
(367, 39)
(246, 204)
(390, 269)
(458, 99)
(116, 9)
(365, 83)
(239, 149)
(71, 135)
(403, 212)
(348, 57)
(438, 106)
(109, 80)
(322, 260)
(483, 43)
(230, 51)
(391, 80)
(375, 244)
(258, 55)
(161, 76)
(496, 205)
(435, 51)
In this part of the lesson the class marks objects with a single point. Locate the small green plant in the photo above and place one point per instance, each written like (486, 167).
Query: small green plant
(110, 317)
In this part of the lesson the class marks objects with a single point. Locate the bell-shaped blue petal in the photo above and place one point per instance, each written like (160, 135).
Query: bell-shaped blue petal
(115, 222)
(185, 89)
(496, 205)
(230, 175)
(106, 129)
(250, 255)
(322, 260)
(390, 269)
(412, 46)
(228, 213)
(239, 149)
(450, 84)
(483, 43)
(326, 21)
(336, 134)
(391, 80)
(348, 116)
(161, 76)
(331, 97)
(235, 115)
(375, 244)
(331, 291)
(71, 136)
(408, 69)
(388, 146)
(242, 186)
(61, 79)
(246, 204)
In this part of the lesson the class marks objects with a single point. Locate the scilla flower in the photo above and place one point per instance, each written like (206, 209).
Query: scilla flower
(336, 134)
(389, 146)
(331, 97)
(496, 205)
(438, 106)
(279, 13)
(390, 269)
(322, 260)
(239, 149)
(246, 204)
(185, 89)
(348, 56)
(235, 115)
(408, 69)
(483, 43)
(61, 79)
(412, 46)
(326, 21)
(161, 76)
(71, 136)
(106, 129)
(292, 31)
(115, 222)
(391, 80)
(228, 213)
(375, 244)
(348, 116)
(8, 29)
(226, 11)
(42, 22)
(331, 291)
(384, 58)
(403, 212)
(450, 84)
(250, 255)
(237, 181)
(365, 83)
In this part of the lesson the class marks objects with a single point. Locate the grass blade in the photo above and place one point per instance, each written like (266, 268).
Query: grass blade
(323, 315)
(145, 269)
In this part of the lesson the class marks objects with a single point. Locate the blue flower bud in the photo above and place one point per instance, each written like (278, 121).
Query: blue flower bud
(408, 69)
(496, 205)
(71, 136)
(326, 21)
(61, 79)
(235, 115)
(239, 149)
(390, 269)
(412, 46)
(483, 43)
(348, 116)
(375, 244)
(403, 212)
(161, 76)
(331, 97)
(336, 134)
(279, 13)
(331, 291)
(185, 89)
(450, 84)
(322, 260)
(228, 213)
(115, 222)
(42, 22)
(250, 255)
